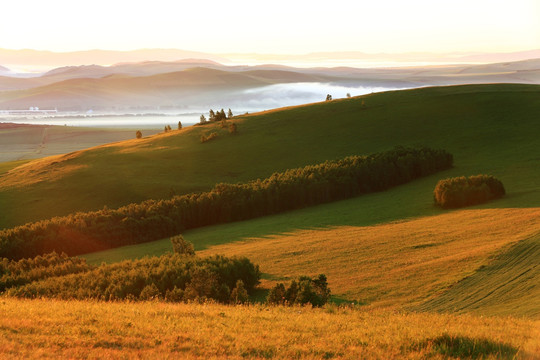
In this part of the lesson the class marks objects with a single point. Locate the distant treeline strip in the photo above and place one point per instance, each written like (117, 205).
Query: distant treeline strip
(152, 220)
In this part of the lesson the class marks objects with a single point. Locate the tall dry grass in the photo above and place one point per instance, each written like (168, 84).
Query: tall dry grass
(41, 329)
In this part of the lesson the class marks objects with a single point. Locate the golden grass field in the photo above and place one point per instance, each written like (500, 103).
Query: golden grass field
(41, 329)
(400, 263)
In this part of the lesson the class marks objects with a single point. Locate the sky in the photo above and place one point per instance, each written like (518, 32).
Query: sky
(272, 27)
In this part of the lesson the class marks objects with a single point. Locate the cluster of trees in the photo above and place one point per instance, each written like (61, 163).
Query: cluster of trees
(216, 116)
(16, 273)
(465, 191)
(171, 277)
(152, 220)
(304, 291)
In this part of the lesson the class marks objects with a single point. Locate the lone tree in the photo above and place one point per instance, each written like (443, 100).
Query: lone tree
(182, 246)
(328, 97)
(229, 114)
(348, 95)
(239, 294)
(202, 119)
(138, 134)
(179, 125)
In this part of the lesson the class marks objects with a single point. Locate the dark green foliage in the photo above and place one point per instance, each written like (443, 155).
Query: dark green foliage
(328, 97)
(220, 115)
(171, 277)
(462, 191)
(239, 294)
(293, 189)
(182, 246)
(17, 273)
(277, 295)
(304, 291)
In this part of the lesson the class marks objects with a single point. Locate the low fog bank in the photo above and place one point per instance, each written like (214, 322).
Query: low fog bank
(239, 101)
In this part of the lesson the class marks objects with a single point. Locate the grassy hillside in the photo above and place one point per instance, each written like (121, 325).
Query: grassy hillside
(509, 285)
(400, 264)
(79, 329)
(479, 124)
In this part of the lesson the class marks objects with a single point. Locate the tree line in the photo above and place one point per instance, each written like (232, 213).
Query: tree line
(170, 277)
(17, 273)
(150, 220)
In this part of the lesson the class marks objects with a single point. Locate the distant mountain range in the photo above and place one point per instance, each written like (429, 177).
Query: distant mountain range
(194, 82)
(403, 58)
(48, 59)
(101, 57)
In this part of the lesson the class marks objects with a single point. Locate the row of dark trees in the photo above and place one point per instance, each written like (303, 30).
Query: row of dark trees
(17, 273)
(151, 220)
(465, 191)
(169, 277)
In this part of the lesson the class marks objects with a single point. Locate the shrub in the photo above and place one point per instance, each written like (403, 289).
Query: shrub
(305, 291)
(277, 295)
(182, 246)
(205, 138)
(239, 294)
(138, 134)
(462, 191)
(180, 125)
(232, 128)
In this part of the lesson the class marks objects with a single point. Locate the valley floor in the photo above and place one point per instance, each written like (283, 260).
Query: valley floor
(25, 142)
(33, 329)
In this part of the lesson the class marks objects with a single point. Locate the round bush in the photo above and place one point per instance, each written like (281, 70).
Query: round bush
(462, 191)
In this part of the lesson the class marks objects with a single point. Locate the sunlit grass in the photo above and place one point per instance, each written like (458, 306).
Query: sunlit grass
(36, 329)
(400, 263)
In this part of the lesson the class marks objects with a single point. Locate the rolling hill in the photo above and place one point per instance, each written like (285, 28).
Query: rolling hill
(479, 124)
(118, 87)
(389, 249)
(177, 89)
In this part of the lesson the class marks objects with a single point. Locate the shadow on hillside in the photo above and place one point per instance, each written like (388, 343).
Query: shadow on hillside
(460, 347)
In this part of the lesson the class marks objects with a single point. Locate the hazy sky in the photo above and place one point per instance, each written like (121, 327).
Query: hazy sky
(276, 26)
